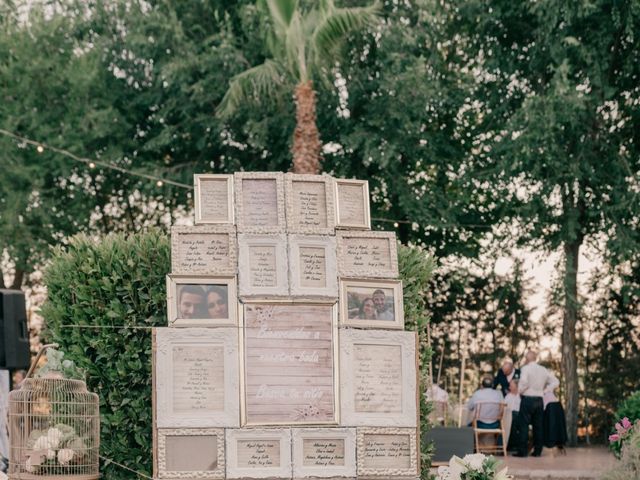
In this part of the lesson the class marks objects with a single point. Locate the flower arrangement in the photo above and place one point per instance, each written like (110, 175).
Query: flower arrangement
(58, 446)
(473, 467)
(624, 431)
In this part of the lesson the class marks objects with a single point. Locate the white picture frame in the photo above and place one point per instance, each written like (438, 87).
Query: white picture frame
(363, 295)
(263, 266)
(269, 442)
(315, 451)
(213, 192)
(214, 290)
(387, 397)
(352, 204)
(378, 465)
(312, 257)
(204, 250)
(371, 254)
(192, 434)
(310, 204)
(183, 357)
(260, 202)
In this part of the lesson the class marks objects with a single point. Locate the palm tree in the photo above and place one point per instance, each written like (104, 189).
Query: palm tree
(301, 43)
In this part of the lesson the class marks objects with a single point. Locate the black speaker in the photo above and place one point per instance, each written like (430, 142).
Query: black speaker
(14, 334)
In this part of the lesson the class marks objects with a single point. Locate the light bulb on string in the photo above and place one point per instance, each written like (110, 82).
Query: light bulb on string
(92, 165)
(40, 148)
(159, 183)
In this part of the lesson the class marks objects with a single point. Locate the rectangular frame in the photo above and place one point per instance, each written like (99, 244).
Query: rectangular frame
(166, 340)
(398, 304)
(365, 224)
(412, 470)
(334, 352)
(218, 473)
(281, 435)
(348, 255)
(295, 224)
(299, 435)
(280, 267)
(349, 384)
(241, 221)
(296, 267)
(199, 181)
(172, 301)
(217, 263)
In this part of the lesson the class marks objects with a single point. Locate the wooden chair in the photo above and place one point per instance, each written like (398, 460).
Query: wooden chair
(496, 432)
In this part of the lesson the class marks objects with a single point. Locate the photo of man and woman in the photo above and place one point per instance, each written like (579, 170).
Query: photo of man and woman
(370, 303)
(202, 301)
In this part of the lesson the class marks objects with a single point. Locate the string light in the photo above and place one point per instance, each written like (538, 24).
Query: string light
(159, 183)
(92, 165)
(40, 148)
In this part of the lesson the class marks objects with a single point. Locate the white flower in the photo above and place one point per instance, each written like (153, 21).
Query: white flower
(54, 435)
(51, 454)
(474, 461)
(42, 443)
(65, 456)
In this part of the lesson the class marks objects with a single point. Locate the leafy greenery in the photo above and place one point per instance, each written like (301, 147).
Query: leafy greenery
(630, 408)
(56, 363)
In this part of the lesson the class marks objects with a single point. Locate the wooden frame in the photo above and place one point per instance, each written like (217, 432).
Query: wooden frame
(193, 433)
(206, 354)
(310, 258)
(364, 320)
(378, 378)
(206, 198)
(252, 204)
(319, 461)
(352, 213)
(173, 301)
(263, 259)
(280, 375)
(204, 250)
(306, 207)
(377, 465)
(367, 254)
(264, 441)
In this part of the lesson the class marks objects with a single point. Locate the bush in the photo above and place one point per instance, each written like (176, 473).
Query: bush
(629, 465)
(118, 281)
(630, 408)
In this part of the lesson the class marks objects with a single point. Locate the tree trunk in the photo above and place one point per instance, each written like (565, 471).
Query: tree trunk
(306, 138)
(569, 358)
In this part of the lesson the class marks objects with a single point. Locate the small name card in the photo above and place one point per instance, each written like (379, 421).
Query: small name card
(324, 452)
(203, 250)
(319, 452)
(313, 267)
(213, 198)
(367, 254)
(310, 204)
(387, 451)
(262, 266)
(198, 379)
(258, 453)
(378, 378)
(260, 202)
(352, 199)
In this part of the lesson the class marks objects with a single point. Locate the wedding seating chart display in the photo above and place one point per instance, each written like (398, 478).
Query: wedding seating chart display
(284, 355)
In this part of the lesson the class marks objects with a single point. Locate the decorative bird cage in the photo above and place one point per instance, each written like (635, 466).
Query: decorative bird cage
(54, 428)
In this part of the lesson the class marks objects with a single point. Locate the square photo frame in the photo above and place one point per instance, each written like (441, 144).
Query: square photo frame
(371, 303)
(213, 199)
(367, 254)
(263, 265)
(313, 270)
(260, 202)
(191, 453)
(324, 452)
(258, 453)
(202, 301)
(310, 204)
(352, 204)
(387, 452)
(204, 250)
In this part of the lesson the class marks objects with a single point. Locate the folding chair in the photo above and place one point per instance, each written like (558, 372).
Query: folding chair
(496, 432)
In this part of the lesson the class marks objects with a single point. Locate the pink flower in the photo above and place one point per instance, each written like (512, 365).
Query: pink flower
(626, 424)
(614, 438)
(620, 429)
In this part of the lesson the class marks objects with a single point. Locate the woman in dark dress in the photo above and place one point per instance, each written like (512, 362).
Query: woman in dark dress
(555, 425)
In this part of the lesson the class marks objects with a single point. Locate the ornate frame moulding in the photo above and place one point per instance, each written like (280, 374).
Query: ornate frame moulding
(173, 281)
(204, 250)
(305, 207)
(344, 188)
(310, 268)
(373, 284)
(360, 254)
(186, 359)
(217, 473)
(251, 216)
(387, 471)
(263, 259)
(206, 199)
(323, 467)
(378, 378)
(263, 440)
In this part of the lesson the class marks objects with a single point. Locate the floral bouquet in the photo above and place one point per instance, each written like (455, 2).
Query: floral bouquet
(624, 430)
(52, 448)
(473, 467)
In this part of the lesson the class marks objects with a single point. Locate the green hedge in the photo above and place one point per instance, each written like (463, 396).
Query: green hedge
(120, 281)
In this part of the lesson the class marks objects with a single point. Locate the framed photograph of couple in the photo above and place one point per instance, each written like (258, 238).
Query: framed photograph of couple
(201, 301)
(371, 304)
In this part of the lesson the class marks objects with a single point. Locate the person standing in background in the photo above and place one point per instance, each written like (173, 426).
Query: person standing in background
(555, 424)
(505, 375)
(513, 404)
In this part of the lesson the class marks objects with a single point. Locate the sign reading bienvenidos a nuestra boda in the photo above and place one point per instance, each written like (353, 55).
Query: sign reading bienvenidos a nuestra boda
(285, 354)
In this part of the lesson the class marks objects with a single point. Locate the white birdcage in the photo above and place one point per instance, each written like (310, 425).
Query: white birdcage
(54, 429)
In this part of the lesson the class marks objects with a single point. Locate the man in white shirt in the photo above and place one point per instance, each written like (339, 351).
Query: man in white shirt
(489, 414)
(535, 380)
